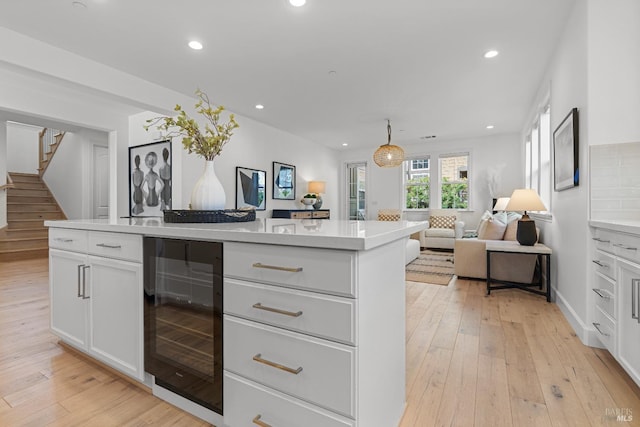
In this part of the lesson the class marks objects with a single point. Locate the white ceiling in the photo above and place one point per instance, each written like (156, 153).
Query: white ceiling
(417, 62)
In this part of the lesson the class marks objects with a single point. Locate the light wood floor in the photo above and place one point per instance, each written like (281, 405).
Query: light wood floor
(509, 359)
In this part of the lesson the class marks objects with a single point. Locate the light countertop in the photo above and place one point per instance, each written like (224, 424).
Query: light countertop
(321, 233)
(624, 226)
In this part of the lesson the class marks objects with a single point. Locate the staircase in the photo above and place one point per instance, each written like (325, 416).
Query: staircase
(29, 204)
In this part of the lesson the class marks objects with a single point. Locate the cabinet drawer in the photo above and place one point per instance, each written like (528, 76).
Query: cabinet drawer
(116, 245)
(317, 371)
(311, 313)
(627, 247)
(603, 240)
(301, 215)
(605, 330)
(70, 240)
(324, 270)
(244, 401)
(605, 294)
(604, 264)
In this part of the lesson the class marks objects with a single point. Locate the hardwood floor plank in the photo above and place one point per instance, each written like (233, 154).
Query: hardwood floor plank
(492, 340)
(527, 413)
(493, 406)
(523, 379)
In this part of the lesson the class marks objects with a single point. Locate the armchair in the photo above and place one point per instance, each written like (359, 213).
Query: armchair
(413, 246)
(445, 227)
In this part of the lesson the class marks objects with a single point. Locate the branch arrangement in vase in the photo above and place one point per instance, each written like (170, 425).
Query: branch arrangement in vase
(207, 144)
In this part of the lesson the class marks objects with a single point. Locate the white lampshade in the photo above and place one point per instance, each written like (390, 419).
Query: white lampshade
(501, 204)
(525, 199)
(316, 187)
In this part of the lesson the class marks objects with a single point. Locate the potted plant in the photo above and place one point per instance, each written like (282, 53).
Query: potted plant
(308, 200)
(208, 193)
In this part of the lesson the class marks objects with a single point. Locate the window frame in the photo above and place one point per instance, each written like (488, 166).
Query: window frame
(538, 160)
(441, 181)
(407, 165)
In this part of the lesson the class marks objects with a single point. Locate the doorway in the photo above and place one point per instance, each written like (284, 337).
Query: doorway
(100, 178)
(356, 201)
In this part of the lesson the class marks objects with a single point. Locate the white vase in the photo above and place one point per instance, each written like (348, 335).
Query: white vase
(208, 193)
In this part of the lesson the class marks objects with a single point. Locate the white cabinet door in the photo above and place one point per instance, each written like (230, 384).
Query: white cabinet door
(116, 318)
(629, 318)
(68, 308)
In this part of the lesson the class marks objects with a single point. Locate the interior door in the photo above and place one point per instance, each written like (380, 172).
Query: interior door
(356, 200)
(100, 189)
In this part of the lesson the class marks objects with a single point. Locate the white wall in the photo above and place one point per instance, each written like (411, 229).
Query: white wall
(22, 148)
(495, 153)
(253, 145)
(566, 233)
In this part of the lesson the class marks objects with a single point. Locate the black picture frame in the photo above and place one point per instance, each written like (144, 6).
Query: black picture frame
(251, 188)
(150, 179)
(284, 181)
(566, 173)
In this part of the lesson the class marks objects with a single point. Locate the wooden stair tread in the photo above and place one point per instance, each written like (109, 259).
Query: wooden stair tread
(20, 239)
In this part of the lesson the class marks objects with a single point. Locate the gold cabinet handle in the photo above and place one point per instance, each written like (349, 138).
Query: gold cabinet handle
(259, 306)
(276, 267)
(258, 358)
(256, 421)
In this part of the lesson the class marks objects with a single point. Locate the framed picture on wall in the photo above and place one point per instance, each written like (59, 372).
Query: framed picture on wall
(565, 153)
(284, 181)
(150, 179)
(251, 188)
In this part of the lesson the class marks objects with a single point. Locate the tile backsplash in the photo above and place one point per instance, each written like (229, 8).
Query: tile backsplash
(615, 181)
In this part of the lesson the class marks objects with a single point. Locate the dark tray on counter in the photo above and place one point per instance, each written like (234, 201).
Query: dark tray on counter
(224, 215)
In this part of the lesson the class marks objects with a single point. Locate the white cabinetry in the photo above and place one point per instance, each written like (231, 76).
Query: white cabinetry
(96, 295)
(300, 348)
(616, 296)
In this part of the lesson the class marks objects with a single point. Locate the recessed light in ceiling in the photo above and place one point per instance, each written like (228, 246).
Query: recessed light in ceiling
(195, 45)
(491, 54)
(490, 126)
(259, 107)
(297, 3)
(344, 144)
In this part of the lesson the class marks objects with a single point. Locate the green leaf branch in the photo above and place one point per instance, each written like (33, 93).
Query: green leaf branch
(207, 144)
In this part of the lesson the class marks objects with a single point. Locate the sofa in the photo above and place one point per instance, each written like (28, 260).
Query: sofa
(470, 256)
(444, 228)
(412, 249)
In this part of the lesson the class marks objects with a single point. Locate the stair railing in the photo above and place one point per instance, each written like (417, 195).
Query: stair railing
(49, 141)
(9, 183)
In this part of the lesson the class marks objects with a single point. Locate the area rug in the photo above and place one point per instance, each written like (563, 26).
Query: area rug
(431, 267)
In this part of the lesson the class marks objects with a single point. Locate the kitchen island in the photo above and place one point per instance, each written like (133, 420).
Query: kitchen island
(314, 313)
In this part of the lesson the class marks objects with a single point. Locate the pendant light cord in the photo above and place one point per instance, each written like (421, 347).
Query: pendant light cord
(388, 132)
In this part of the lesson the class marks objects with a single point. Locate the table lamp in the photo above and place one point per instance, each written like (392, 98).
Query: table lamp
(524, 200)
(317, 187)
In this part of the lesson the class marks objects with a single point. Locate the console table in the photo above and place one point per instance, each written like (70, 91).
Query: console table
(512, 247)
(301, 213)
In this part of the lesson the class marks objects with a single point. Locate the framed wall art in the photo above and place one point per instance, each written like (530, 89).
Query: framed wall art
(150, 179)
(566, 172)
(284, 181)
(251, 188)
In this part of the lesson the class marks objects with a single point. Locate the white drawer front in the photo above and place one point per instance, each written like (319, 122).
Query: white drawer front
(245, 401)
(605, 294)
(627, 247)
(603, 240)
(605, 330)
(116, 245)
(325, 270)
(604, 264)
(326, 370)
(70, 240)
(324, 316)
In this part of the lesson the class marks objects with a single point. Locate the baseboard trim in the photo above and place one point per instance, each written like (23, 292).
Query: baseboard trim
(582, 330)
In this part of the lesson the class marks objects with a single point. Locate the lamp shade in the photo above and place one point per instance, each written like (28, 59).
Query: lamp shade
(316, 187)
(501, 204)
(525, 199)
(388, 156)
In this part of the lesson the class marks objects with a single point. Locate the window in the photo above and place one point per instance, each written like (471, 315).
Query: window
(537, 148)
(417, 183)
(454, 182)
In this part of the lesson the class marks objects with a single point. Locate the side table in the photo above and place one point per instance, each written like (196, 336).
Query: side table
(540, 250)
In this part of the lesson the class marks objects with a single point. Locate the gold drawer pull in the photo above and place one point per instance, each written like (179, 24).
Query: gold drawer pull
(258, 358)
(259, 306)
(276, 267)
(257, 421)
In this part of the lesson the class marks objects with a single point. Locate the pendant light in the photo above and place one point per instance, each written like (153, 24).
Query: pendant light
(388, 155)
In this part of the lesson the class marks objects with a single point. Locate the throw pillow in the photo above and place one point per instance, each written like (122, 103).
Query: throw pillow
(436, 221)
(512, 226)
(493, 228)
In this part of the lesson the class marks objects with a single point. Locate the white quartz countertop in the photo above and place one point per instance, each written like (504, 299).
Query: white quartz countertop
(626, 226)
(321, 233)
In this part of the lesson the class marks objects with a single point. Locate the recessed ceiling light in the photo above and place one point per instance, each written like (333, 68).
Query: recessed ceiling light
(490, 126)
(344, 144)
(491, 54)
(259, 106)
(195, 45)
(297, 3)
